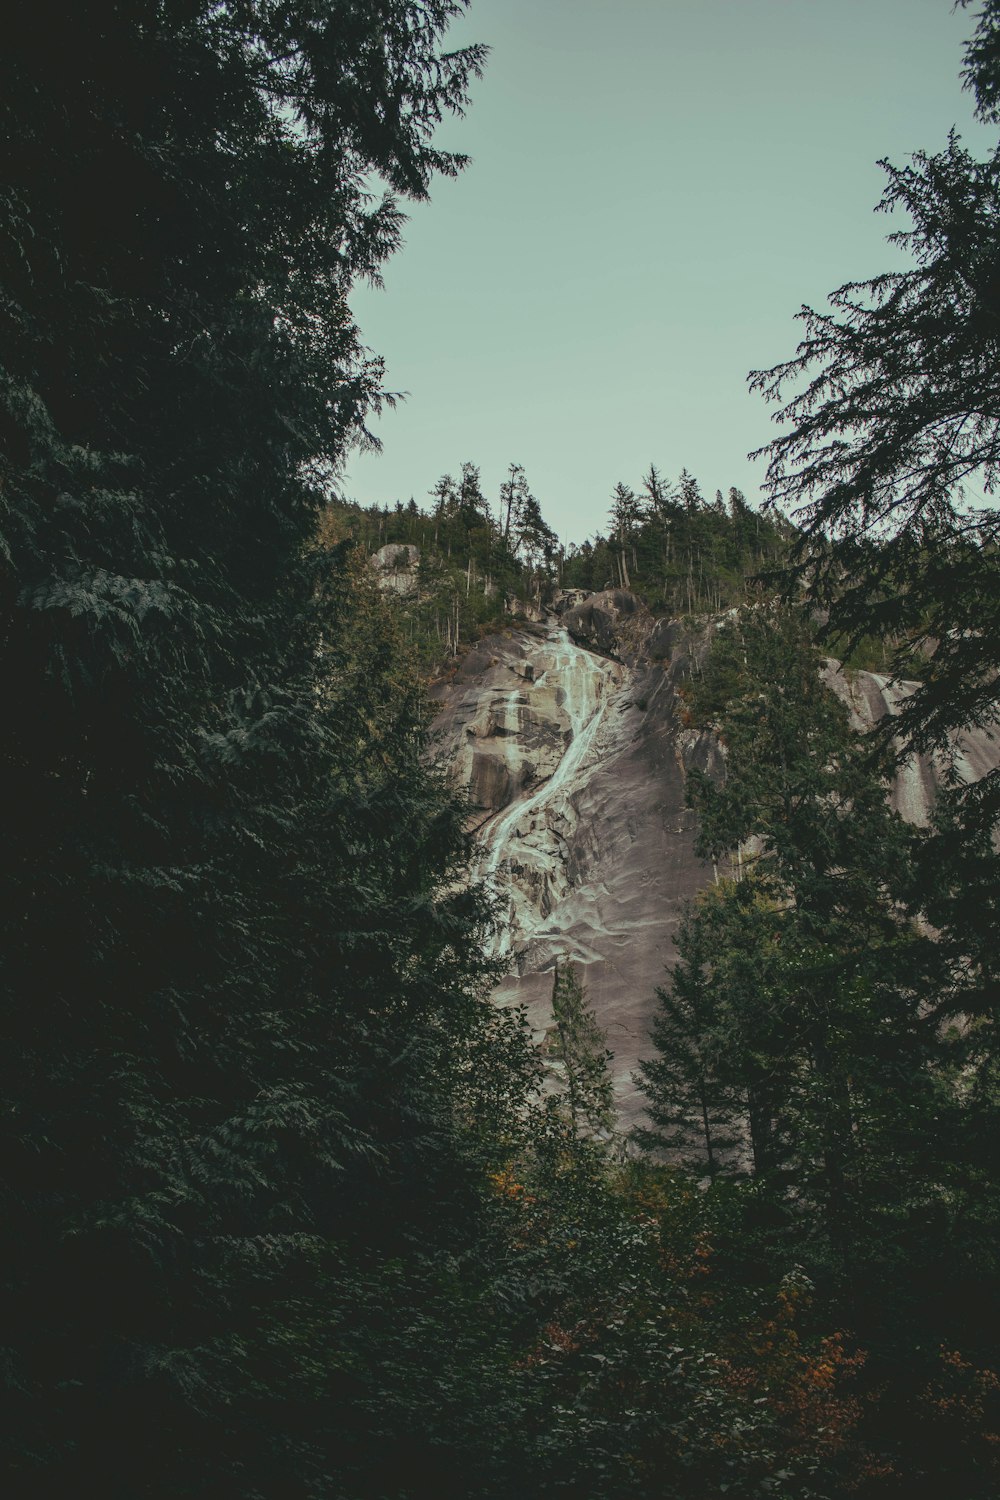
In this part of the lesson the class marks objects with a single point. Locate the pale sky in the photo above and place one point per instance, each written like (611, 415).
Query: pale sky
(656, 187)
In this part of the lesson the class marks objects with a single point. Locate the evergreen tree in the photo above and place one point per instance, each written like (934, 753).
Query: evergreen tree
(624, 515)
(232, 1079)
(840, 982)
(896, 415)
(689, 492)
(580, 1046)
(743, 528)
(472, 506)
(445, 498)
(696, 1112)
(825, 986)
(513, 497)
(537, 543)
(656, 492)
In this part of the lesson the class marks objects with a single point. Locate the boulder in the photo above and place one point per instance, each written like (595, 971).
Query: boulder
(612, 622)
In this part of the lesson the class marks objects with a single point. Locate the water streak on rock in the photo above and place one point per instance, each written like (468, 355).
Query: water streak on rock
(528, 828)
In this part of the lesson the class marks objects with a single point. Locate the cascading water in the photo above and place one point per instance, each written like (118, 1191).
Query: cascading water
(527, 827)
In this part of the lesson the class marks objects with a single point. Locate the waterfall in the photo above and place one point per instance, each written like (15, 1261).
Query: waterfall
(527, 826)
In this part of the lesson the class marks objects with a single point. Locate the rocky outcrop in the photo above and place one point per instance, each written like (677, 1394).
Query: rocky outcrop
(570, 741)
(869, 698)
(395, 567)
(612, 622)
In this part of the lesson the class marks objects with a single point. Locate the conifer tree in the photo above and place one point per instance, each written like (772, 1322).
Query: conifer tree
(238, 973)
(580, 1046)
(890, 428)
(689, 492)
(472, 505)
(513, 497)
(695, 1110)
(657, 494)
(893, 414)
(624, 514)
(824, 986)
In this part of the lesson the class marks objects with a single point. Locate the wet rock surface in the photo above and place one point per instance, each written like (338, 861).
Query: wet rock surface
(869, 697)
(574, 763)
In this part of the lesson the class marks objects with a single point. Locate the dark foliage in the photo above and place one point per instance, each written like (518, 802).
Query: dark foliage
(892, 418)
(677, 552)
(238, 978)
(817, 1061)
(475, 566)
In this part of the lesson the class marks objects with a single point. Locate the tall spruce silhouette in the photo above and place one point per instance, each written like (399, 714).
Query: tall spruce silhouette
(238, 965)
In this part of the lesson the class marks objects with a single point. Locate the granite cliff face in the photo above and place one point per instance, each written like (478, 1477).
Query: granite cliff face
(395, 567)
(574, 762)
(869, 697)
(570, 741)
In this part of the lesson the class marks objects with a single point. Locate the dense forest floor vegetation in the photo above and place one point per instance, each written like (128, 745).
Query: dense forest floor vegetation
(290, 1210)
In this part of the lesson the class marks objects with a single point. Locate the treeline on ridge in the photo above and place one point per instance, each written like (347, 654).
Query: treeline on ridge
(481, 562)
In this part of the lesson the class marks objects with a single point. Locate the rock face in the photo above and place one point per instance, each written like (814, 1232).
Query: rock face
(570, 741)
(869, 697)
(396, 567)
(575, 763)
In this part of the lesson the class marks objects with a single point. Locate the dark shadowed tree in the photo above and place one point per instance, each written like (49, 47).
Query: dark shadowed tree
(238, 970)
(623, 518)
(891, 413)
(698, 1116)
(827, 997)
(580, 1046)
(891, 452)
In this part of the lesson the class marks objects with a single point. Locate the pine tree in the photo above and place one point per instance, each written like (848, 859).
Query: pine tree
(537, 543)
(689, 492)
(825, 985)
(239, 976)
(894, 415)
(624, 515)
(513, 495)
(580, 1046)
(696, 1112)
(657, 494)
(897, 412)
